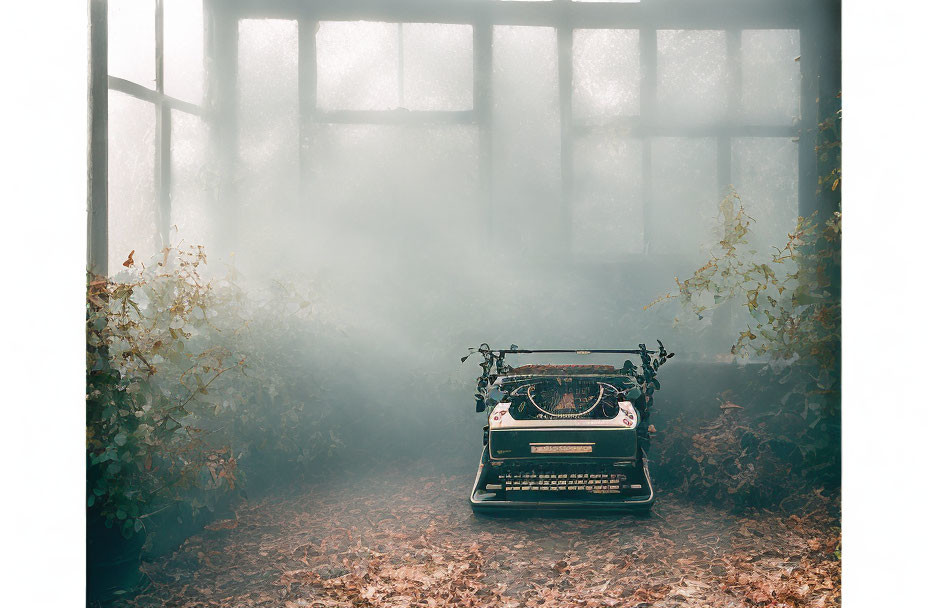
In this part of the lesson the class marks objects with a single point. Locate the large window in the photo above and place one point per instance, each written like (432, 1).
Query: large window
(594, 130)
(159, 178)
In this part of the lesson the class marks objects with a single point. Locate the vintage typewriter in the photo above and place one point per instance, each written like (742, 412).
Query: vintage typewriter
(565, 436)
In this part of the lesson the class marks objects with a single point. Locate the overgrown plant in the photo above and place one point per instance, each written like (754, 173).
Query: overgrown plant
(793, 296)
(188, 377)
(147, 445)
(734, 460)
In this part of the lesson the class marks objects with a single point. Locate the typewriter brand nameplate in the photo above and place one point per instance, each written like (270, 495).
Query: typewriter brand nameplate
(561, 448)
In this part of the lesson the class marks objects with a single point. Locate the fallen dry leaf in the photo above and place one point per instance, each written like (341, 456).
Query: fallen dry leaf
(382, 540)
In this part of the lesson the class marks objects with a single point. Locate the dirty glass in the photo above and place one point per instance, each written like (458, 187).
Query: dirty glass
(526, 138)
(607, 82)
(267, 180)
(389, 180)
(193, 182)
(607, 209)
(183, 50)
(133, 211)
(692, 75)
(770, 76)
(131, 41)
(357, 65)
(438, 66)
(398, 207)
(765, 172)
(686, 193)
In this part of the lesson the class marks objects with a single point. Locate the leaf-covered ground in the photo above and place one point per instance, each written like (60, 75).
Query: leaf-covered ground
(408, 538)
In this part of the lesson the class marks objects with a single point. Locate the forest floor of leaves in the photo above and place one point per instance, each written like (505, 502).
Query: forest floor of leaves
(407, 537)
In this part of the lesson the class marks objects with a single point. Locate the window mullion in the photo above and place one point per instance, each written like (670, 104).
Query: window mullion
(97, 150)
(647, 54)
(400, 67)
(735, 114)
(307, 100)
(565, 36)
(483, 113)
(162, 134)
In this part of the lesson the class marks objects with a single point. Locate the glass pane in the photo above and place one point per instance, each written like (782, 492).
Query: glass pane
(765, 172)
(438, 66)
(269, 128)
(608, 217)
(606, 73)
(183, 49)
(526, 138)
(358, 65)
(193, 183)
(131, 40)
(770, 76)
(394, 227)
(395, 195)
(133, 212)
(692, 75)
(686, 195)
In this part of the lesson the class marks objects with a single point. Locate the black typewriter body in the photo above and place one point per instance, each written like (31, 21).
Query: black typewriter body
(565, 437)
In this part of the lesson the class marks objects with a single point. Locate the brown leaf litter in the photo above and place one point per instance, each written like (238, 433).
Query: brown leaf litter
(401, 539)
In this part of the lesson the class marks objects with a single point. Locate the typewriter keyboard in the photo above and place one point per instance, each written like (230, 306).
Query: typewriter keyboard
(535, 481)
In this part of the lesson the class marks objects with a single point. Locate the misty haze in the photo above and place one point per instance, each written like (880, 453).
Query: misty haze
(312, 210)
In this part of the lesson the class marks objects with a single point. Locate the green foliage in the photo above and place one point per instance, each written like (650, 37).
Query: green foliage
(186, 378)
(793, 297)
(730, 461)
(644, 382)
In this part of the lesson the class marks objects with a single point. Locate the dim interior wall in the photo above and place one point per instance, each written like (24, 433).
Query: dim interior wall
(174, 24)
(474, 195)
(497, 176)
(501, 175)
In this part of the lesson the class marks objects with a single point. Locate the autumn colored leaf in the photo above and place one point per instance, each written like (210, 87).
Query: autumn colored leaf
(382, 540)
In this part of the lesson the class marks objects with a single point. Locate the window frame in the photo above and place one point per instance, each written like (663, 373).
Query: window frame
(162, 104)
(819, 50)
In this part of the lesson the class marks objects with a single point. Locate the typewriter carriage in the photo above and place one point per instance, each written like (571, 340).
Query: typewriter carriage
(565, 436)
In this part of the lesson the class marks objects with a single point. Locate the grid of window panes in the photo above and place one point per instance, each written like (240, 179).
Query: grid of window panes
(151, 202)
(711, 86)
(394, 112)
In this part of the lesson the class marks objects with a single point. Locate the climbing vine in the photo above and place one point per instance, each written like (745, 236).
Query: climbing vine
(186, 377)
(793, 297)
